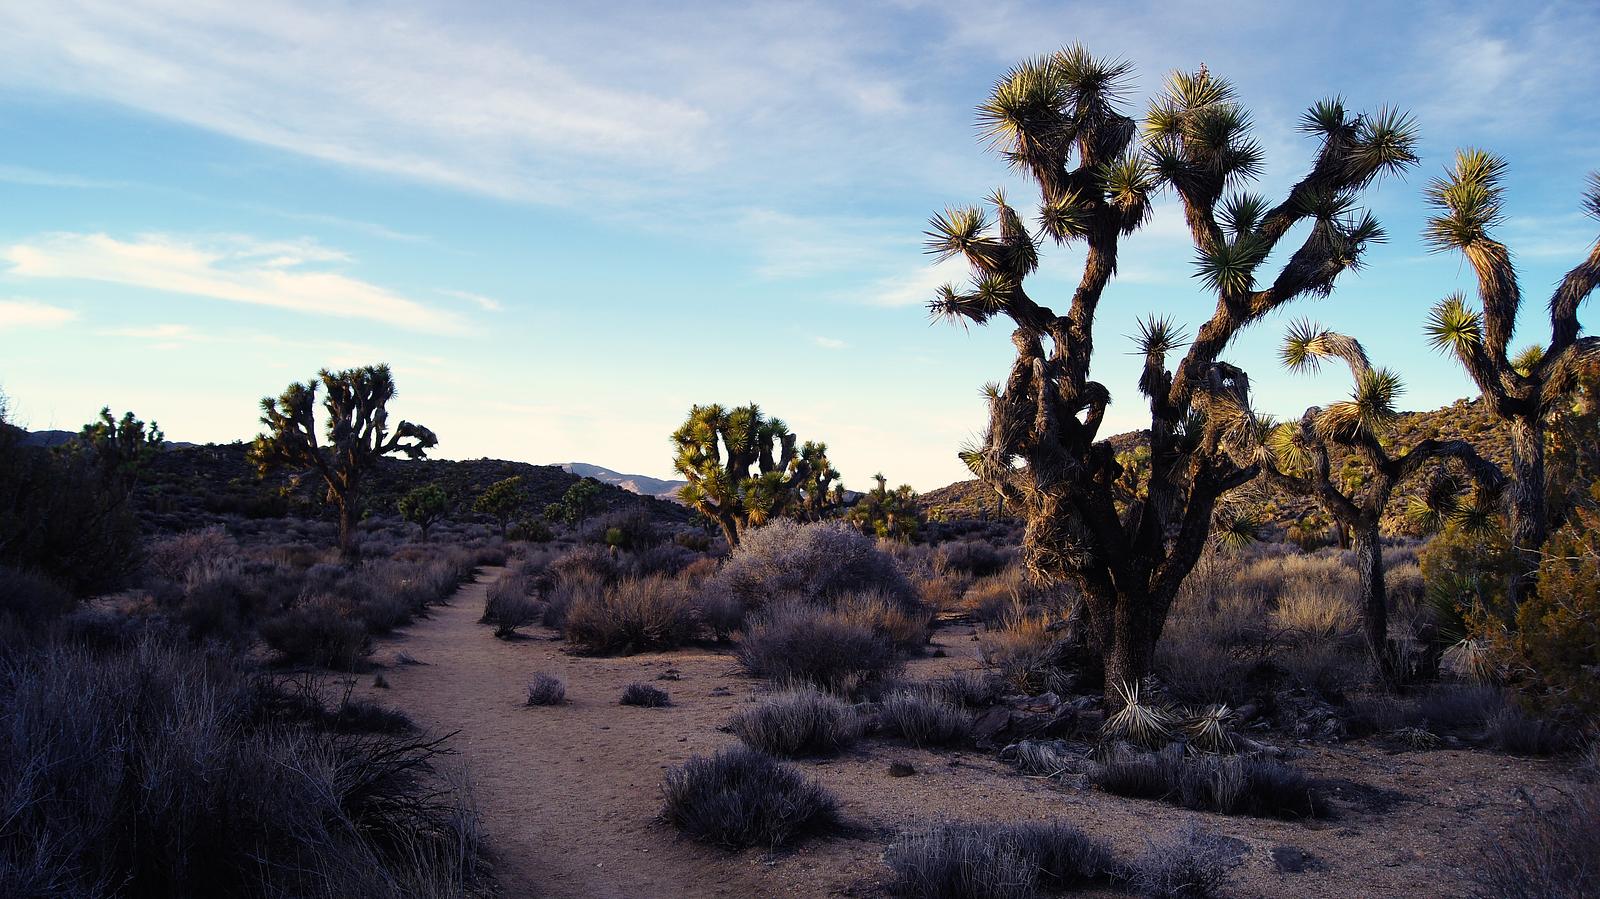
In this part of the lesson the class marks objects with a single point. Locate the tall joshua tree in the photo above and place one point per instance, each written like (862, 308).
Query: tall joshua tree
(1523, 390)
(744, 469)
(357, 433)
(1294, 456)
(1058, 120)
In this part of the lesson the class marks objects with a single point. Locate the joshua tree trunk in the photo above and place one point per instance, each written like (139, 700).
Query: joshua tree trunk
(347, 527)
(1528, 522)
(1374, 598)
(1130, 647)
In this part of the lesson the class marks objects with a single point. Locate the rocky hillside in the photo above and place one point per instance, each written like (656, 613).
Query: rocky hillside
(1464, 419)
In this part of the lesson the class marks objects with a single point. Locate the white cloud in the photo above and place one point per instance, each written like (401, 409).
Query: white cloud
(487, 304)
(166, 332)
(15, 314)
(229, 267)
(918, 287)
(829, 343)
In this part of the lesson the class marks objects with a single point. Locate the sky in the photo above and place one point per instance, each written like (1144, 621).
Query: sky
(563, 226)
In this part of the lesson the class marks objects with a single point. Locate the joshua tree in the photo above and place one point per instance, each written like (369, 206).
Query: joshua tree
(120, 449)
(1523, 390)
(1057, 120)
(501, 501)
(744, 469)
(357, 432)
(424, 506)
(1295, 456)
(882, 512)
(576, 504)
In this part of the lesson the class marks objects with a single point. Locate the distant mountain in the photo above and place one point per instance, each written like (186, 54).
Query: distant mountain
(47, 438)
(633, 483)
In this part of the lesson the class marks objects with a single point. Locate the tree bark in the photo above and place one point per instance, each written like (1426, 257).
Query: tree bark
(347, 528)
(1130, 651)
(1528, 515)
(1374, 599)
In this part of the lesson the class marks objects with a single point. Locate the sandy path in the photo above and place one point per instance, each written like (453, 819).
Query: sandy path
(569, 794)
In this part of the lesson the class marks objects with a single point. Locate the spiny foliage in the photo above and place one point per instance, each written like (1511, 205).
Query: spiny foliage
(745, 469)
(887, 513)
(356, 430)
(1522, 389)
(576, 504)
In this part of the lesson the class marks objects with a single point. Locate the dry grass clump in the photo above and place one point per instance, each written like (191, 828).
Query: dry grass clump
(1552, 853)
(1316, 615)
(1187, 863)
(794, 641)
(1520, 733)
(634, 616)
(1236, 785)
(740, 798)
(645, 696)
(546, 689)
(974, 558)
(800, 721)
(905, 624)
(924, 719)
(1025, 653)
(156, 770)
(996, 861)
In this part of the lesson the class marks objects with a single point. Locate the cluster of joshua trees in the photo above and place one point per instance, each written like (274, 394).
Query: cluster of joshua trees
(1128, 535)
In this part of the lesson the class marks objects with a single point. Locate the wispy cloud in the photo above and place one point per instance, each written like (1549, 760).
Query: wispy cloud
(917, 287)
(233, 268)
(829, 343)
(487, 304)
(17, 314)
(16, 174)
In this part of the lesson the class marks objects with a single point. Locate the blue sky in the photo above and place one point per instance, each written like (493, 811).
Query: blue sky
(562, 228)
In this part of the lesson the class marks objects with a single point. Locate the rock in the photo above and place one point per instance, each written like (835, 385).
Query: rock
(1293, 860)
(989, 725)
(901, 769)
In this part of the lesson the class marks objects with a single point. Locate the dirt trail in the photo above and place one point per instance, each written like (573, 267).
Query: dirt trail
(569, 793)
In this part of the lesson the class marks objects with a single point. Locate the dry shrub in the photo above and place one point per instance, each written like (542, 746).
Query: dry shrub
(970, 557)
(176, 557)
(800, 721)
(546, 689)
(794, 641)
(996, 861)
(1552, 853)
(740, 798)
(509, 604)
(905, 624)
(320, 630)
(817, 560)
(1188, 863)
(634, 616)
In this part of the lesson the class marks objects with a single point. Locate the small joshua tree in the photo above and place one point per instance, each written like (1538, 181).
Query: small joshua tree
(1295, 456)
(1522, 389)
(1057, 119)
(744, 469)
(424, 507)
(357, 433)
(576, 504)
(119, 450)
(501, 501)
(882, 512)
